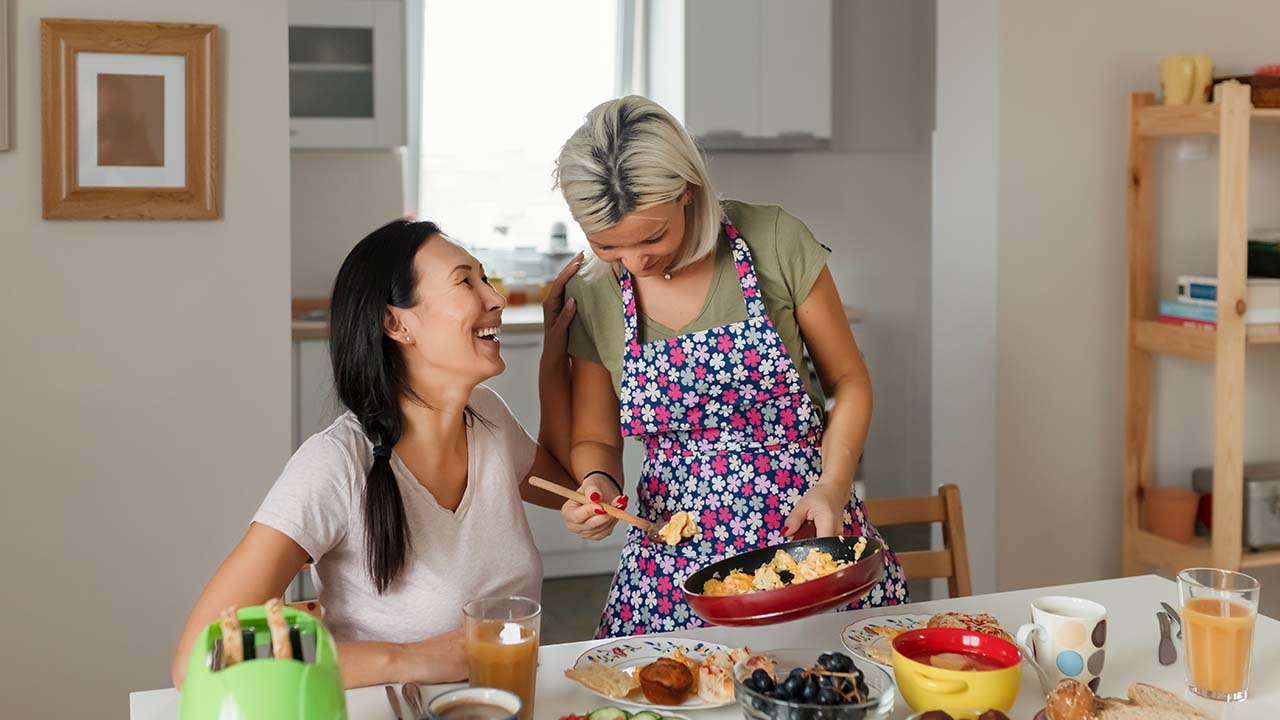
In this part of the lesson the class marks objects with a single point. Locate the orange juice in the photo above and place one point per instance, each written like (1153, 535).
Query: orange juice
(504, 655)
(1219, 636)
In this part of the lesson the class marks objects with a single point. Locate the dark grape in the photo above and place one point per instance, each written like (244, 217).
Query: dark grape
(839, 662)
(792, 686)
(823, 659)
(828, 697)
(797, 673)
(761, 679)
(750, 684)
(845, 688)
(810, 693)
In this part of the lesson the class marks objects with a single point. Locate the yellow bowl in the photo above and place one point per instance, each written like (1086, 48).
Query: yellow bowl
(925, 687)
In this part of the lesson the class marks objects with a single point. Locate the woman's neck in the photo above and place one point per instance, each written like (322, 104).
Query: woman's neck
(438, 419)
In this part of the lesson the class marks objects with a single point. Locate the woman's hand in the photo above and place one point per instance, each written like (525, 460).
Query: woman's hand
(589, 521)
(436, 660)
(823, 506)
(557, 312)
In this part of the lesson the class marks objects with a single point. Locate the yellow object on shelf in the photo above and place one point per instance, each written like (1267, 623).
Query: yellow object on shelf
(1186, 79)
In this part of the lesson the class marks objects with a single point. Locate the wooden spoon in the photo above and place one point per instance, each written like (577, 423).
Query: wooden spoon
(622, 515)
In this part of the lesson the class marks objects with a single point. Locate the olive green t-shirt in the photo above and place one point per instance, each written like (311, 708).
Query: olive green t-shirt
(787, 260)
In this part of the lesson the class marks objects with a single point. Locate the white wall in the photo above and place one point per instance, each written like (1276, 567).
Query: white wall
(336, 199)
(145, 381)
(868, 199)
(964, 271)
(1065, 72)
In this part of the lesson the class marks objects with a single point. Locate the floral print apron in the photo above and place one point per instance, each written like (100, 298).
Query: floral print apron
(732, 437)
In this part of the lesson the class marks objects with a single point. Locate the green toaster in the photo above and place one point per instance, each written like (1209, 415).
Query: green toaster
(308, 687)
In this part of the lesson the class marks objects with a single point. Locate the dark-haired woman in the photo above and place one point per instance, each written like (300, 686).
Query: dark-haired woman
(409, 504)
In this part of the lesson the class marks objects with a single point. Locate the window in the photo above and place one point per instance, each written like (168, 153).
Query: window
(503, 86)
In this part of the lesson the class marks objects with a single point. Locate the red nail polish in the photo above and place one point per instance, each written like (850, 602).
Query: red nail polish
(594, 496)
(600, 512)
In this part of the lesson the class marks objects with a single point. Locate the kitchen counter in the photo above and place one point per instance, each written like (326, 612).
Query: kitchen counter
(515, 319)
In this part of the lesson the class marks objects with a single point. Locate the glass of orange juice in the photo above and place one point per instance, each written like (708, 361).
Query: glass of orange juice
(502, 646)
(1219, 609)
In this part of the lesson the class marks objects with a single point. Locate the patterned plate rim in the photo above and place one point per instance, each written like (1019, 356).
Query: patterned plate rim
(606, 652)
(847, 639)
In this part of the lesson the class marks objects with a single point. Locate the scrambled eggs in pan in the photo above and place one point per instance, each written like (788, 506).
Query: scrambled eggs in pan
(768, 576)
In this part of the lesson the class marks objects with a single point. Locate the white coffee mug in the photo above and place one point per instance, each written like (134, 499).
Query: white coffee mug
(1065, 639)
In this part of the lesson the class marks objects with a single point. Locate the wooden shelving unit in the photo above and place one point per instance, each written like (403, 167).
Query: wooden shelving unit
(1228, 117)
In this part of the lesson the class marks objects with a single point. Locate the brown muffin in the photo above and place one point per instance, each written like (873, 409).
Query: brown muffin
(666, 682)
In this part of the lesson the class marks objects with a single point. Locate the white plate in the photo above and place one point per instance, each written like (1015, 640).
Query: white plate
(857, 637)
(631, 654)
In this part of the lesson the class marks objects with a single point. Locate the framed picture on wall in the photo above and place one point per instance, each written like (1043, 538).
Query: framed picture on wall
(129, 119)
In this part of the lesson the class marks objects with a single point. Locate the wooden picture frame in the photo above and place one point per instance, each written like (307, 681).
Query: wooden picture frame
(140, 101)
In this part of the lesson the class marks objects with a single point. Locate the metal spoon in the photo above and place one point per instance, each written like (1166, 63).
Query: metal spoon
(1167, 654)
(1173, 614)
(413, 696)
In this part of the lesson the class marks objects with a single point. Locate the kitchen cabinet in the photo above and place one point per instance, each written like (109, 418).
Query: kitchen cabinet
(347, 74)
(315, 404)
(563, 553)
(743, 74)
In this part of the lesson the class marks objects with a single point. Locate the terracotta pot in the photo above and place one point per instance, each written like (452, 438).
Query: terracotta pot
(1171, 512)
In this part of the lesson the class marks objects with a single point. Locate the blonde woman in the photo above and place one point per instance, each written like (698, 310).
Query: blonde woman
(693, 320)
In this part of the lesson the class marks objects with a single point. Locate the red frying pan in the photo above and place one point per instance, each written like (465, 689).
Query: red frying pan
(793, 601)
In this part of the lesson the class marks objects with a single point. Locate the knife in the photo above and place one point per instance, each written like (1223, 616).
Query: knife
(394, 699)
(1173, 614)
(1167, 653)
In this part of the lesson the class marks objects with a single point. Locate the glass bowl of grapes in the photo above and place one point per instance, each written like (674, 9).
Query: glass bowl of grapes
(811, 685)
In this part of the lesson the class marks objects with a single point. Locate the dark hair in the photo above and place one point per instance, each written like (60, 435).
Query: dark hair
(369, 374)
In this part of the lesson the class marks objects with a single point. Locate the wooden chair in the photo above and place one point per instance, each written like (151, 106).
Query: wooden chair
(952, 562)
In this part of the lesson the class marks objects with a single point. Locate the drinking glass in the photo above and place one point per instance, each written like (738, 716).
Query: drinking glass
(1219, 610)
(502, 645)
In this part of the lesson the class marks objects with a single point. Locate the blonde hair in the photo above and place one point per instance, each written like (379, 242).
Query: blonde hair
(629, 155)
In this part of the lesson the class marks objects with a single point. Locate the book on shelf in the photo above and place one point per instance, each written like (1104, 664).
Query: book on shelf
(1260, 293)
(1252, 330)
(1205, 313)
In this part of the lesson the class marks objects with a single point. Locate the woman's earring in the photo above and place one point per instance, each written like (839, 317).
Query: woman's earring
(408, 339)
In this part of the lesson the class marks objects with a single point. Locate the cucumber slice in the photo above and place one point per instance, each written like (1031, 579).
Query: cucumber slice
(607, 713)
(671, 718)
(646, 715)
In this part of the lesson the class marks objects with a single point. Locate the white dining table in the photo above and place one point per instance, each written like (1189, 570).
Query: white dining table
(1132, 638)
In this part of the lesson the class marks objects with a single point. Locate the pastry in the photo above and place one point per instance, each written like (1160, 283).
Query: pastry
(983, 623)
(666, 682)
(606, 680)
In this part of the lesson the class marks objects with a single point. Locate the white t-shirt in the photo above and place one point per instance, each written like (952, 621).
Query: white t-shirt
(482, 549)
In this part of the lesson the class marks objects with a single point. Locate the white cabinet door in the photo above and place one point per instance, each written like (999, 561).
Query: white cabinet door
(346, 74)
(315, 402)
(722, 66)
(518, 386)
(795, 68)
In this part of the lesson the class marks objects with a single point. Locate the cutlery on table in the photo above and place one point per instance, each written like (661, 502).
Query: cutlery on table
(413, 696)
(1167, 653)
(394, 699)
(623, 515)
(1173, 614)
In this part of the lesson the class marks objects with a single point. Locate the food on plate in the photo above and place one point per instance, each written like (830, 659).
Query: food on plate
(680, 527)
(693, 665)
(606, 680)
(963, 662)
(769, 576)
(982, 622)
(232, 639)
(832, 680)
(1071, 700)
(666, 682)
(715, 677)
(281, 647)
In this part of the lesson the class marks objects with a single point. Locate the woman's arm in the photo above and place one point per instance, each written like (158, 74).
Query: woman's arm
(555, 410)
(825, 329)
(261, 567)
(597, 445)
